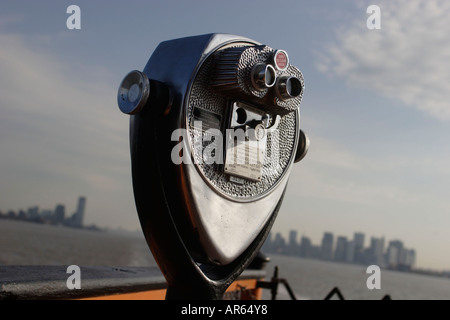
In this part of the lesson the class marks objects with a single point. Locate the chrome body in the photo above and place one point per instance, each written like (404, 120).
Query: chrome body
(197, 217)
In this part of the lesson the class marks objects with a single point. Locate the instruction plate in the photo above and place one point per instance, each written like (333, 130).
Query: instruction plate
(245, 159)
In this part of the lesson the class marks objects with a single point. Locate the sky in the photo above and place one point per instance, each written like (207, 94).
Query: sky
(375, 108)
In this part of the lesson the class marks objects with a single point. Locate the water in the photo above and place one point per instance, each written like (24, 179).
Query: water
(314, 279)
(24, 243)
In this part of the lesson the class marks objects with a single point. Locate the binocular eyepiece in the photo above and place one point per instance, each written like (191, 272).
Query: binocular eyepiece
(286, 87)
(258, 74)
(263, 76)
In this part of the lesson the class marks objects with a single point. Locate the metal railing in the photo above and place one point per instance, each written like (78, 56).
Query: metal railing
(275, 281)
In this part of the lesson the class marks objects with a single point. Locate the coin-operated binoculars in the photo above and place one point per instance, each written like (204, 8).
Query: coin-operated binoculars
(214, 133)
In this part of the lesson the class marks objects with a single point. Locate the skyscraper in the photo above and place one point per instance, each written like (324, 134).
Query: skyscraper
(341, 247)
(33, 213)
(350, 251)
(376, 250)
(394, 252)
(292, 244)
(305, 247)
(79, 214)
(358, 239)
(326, 248)
(58, 214)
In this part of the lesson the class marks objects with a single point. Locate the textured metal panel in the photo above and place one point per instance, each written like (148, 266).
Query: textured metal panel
(280, 144)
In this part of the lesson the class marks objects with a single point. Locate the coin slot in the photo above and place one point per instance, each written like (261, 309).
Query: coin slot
(241, 115)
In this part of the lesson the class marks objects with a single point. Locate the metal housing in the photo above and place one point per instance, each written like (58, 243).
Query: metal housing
(202, 228)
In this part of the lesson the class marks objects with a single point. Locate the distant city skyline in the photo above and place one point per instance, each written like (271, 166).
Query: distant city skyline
(56, 216)
(394, 256)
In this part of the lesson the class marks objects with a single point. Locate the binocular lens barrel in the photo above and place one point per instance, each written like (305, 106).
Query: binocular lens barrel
(263, 76)
(288, 87)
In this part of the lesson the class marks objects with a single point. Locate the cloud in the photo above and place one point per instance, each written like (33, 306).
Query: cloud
(407, 60)
(334, 171)
(61, 132)
(10, 19)
(49, 103)
(334, 155)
